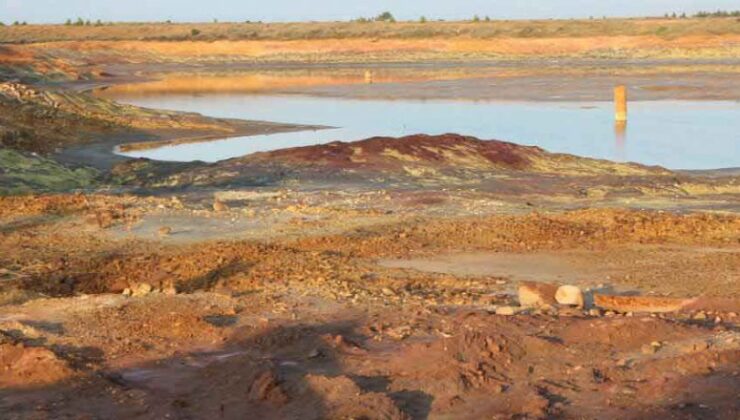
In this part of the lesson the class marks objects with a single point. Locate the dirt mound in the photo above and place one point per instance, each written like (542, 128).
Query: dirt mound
(24, 366)
(140, 325)
(388, 152)
(342, 398)
(424, 155)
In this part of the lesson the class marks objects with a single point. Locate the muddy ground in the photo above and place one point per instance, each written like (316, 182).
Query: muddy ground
(377, 279)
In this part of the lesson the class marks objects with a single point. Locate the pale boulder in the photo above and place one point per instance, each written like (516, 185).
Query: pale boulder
(569, 295)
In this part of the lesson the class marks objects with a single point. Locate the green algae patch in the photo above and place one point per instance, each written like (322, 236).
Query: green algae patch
(22, 173)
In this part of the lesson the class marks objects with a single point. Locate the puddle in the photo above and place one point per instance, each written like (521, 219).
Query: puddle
(674, 134)
(179, 371)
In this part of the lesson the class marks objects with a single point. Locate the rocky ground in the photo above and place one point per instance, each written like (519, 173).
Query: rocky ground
(283, 303)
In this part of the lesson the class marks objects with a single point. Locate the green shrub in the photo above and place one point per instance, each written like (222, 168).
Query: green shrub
(194, 32)
(385, 17)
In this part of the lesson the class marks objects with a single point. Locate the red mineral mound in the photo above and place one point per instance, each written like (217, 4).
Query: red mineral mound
(390, 152)
(423, 155)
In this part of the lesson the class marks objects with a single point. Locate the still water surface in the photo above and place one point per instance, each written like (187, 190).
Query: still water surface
(673, 134)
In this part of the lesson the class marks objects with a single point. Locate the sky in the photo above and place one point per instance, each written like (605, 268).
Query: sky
(50, 11)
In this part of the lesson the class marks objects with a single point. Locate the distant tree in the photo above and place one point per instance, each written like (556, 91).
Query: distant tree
(2, 24)
(194, 32)
(385, 17)
(476, 18)
(488, 19)
(215, 20)
(88, 23)
(98, 23)
(79, 22)
(16, 23)
(673, 15)
(683, 15)
(68, 22)
(24, 23)
(718, 13)
(422, 19)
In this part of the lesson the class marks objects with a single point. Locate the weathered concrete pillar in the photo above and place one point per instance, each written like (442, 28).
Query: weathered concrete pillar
(620, 103)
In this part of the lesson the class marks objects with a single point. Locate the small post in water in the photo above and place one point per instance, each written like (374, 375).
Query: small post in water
(620, 103)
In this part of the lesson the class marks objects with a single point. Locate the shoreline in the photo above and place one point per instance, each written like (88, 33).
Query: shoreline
(100, 154)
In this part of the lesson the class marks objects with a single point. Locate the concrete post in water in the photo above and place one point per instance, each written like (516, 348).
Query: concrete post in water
(620, 103)
(368, 77)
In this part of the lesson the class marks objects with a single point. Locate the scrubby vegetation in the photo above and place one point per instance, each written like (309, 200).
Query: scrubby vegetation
(383, 26)
(718, 14)
(22, 172)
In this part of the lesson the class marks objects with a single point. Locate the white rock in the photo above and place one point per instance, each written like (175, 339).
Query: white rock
(569, 295)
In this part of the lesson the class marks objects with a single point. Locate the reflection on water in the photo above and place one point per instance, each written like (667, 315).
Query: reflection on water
(620, 140)
(285, 79)
(674, 134)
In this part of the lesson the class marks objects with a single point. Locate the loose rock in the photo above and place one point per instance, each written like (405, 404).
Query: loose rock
(534, 294)
(569, 295)
(507, 310)
(142, 289)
